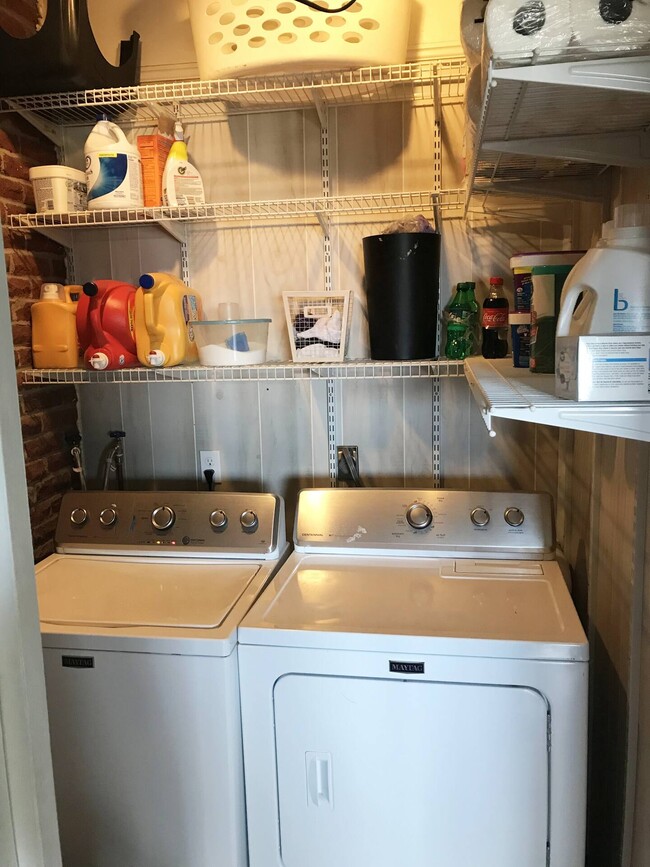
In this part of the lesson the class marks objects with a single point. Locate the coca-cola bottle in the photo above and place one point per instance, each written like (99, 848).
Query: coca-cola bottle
(494, 321)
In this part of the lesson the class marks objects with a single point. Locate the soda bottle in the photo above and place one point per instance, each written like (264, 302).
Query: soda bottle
(462, 323)
(494, 321)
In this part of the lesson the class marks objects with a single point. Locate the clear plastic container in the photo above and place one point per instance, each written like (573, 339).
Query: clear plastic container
(231, 341)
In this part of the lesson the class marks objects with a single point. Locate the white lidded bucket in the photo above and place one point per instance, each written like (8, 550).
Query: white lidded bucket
(234, 38)
(58, 189)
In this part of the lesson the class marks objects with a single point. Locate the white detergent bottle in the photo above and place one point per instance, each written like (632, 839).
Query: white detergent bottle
(113, 168)
(182, 184)
(608, 291)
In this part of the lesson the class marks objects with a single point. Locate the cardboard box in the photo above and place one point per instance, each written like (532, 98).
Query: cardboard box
(154, 150)
(603, 367)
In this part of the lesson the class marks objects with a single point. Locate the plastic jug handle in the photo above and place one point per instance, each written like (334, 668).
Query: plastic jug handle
(567, 308)
(149, 318)
(98, 338)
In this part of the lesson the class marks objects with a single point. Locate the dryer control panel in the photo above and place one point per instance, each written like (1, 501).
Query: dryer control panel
(403, 522)
(178, 523)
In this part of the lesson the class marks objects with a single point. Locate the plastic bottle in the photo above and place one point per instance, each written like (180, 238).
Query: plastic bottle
(462, 323)
(105, 325)
(54, 331)
(181, 183)
(164, 311)
(113, 168)
(494, 321)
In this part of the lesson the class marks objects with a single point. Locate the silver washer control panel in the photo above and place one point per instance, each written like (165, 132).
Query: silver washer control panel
(173, 523)
(425, 523)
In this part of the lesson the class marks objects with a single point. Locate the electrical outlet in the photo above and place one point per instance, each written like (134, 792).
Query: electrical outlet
(210, 461)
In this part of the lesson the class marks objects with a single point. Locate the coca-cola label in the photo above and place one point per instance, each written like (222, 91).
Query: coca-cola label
(495, 317)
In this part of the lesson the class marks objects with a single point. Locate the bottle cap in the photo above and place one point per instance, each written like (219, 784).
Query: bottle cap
(467, 285)
(50, 292)
(496, 281)
(147, 281)
(91, 289)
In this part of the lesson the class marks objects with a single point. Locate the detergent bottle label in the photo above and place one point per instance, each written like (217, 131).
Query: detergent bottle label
(631, 312)
(191, 313)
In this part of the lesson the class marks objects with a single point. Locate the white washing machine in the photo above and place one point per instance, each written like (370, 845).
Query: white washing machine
(414, 688)
(139, 612)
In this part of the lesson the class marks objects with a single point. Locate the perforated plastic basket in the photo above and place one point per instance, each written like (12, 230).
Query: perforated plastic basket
(304, 309)
(257, 37)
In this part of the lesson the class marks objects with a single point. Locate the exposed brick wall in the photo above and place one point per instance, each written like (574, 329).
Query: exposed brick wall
(47, 412)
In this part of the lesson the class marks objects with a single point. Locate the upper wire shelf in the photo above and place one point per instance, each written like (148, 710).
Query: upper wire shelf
(203, 100)
(279, 371)
(334, 206)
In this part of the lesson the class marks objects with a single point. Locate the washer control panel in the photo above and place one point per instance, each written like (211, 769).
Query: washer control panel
(179, 523)
(426, 522)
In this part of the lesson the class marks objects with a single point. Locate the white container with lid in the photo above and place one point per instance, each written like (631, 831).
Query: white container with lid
(232, 341)
(58, 189)
(608, 291)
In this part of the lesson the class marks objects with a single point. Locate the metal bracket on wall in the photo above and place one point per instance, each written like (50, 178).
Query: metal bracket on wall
(51, 131)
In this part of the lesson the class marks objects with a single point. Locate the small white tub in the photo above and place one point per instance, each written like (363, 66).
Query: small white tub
(59, 189)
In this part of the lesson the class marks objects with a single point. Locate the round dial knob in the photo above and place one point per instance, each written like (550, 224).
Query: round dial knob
(249, 521)
(163, 518)
(219, 519)
(78, 517)
(514, 516)
(480, 517)
(108, 517)
(419, 516)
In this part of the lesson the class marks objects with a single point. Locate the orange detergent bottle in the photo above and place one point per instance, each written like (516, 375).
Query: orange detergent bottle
(54, 332)
(164, 311)
(105, 324)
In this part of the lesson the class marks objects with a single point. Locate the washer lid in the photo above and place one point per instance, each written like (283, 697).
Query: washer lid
(113, 592)
(522, 609)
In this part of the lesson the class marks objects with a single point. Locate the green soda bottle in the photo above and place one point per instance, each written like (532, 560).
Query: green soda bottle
(462, 317)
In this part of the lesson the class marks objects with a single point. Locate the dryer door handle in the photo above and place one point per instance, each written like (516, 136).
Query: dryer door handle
(319, 779)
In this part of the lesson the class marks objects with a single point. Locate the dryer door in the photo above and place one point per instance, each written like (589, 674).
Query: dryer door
(388, 772)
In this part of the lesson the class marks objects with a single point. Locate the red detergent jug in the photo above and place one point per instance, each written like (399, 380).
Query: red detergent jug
(106, 325)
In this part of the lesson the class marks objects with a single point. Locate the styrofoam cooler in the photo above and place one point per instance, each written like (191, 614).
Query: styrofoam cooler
(234, 38)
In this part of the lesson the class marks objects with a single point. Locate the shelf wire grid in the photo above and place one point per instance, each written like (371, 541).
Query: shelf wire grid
(198, 101)
(335, 206)
(278, 371)
(522, 109)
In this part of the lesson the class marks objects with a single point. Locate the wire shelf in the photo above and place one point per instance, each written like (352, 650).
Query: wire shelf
(562, 121)
(335, 206)
(203, 100)
(280, 371)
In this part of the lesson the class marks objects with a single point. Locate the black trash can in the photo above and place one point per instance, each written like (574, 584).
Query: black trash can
(402, 285)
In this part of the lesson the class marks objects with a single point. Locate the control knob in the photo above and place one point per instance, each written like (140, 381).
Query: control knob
(163, 518)
(249, 521)
(78, 517)
(218, 520)
(419, 516)
(480, 517)
(107, 517)
(514, 516)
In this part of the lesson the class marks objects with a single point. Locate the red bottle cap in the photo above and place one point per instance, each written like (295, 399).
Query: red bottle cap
(496, 281)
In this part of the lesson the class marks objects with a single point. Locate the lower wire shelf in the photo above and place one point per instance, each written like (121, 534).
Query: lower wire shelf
(503, 391)
(280, 371)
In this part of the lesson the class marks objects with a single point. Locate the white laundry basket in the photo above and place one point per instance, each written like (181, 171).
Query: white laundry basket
(257, 37)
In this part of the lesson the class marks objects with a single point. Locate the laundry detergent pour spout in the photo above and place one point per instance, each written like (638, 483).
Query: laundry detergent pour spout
(165, 309)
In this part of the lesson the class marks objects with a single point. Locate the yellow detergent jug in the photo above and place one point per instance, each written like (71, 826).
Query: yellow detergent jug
(164, 311)
(54, 329)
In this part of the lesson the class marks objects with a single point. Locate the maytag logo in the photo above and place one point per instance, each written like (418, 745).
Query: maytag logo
(406, 667)
(78, 661)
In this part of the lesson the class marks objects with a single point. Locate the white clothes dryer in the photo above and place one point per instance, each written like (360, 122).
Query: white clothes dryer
(139, 611)
(414, 688)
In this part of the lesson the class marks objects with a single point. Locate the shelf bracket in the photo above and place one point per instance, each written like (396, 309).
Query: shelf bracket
(586, 189)
(324, 221)
(62, 236)
(628, 74)
(320, 106)
(628, 149)
(49, 130)
(178, 231)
